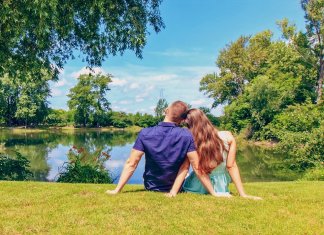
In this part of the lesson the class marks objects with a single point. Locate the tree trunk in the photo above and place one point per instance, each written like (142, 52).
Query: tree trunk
(319, 89)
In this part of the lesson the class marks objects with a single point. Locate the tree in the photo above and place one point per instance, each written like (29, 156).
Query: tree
(24, 100)
(213, 119)
(239, 62)
(88, 101)
(37, 35)
(309, 45)
(161, 105)
(315, 31)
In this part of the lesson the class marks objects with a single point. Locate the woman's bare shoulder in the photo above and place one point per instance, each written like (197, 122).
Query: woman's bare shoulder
(227, 135)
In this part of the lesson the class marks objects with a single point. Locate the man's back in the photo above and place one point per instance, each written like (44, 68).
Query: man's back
(165, 147)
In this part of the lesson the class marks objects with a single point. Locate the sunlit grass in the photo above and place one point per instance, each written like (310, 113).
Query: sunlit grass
(53, 208)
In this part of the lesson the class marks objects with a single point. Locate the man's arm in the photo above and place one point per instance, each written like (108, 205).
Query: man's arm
(129, 168)
(183, 171)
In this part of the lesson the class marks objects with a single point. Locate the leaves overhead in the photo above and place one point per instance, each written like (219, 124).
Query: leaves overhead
(45, 34)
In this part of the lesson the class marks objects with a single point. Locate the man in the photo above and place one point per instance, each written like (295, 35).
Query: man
(168, 148)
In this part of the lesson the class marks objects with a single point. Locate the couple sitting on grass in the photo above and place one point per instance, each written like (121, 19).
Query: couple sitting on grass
(170, 150)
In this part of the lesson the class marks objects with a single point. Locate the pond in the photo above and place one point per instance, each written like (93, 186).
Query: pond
(47, 151)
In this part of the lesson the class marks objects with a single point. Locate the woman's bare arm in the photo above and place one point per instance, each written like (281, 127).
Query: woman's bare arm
(183, 171)
(233, 169)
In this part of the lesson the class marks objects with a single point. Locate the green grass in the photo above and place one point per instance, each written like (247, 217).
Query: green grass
(53, 208)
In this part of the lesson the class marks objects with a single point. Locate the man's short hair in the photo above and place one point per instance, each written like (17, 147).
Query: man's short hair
(177, 110)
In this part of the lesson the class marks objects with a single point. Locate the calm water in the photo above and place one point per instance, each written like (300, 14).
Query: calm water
(47, 151)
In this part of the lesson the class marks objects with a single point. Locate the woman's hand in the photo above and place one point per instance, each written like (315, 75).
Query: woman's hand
(222, 195)
(112, 192)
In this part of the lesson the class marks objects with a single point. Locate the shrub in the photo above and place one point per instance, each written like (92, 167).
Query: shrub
(84, 168)
(296, 118)
(304, 149)
(14, 168)
(316, 173)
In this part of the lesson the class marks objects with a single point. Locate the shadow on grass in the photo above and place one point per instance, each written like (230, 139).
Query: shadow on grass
(136, 191)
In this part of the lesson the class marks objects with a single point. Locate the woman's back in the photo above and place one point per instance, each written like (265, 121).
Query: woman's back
(219, 177)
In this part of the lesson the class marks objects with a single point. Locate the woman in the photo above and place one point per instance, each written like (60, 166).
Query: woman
(217, 153)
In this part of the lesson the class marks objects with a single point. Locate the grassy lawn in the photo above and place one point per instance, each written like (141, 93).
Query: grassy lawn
(53, 208)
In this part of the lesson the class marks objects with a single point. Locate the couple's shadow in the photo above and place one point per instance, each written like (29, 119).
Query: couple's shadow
(135, 190)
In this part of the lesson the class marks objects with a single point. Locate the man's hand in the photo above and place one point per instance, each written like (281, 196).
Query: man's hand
(112, 192)
(128, 170)
(170, 194)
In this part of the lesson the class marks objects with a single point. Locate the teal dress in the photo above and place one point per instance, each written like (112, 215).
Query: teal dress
(219, 177)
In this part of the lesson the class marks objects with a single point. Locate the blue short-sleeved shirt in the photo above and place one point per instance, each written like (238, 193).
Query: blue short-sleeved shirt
(165, 146)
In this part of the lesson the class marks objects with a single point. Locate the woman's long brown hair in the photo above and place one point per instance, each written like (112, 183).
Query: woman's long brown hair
(209, 145)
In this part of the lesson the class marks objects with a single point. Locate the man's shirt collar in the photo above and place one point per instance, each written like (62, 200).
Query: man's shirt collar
(170, 124)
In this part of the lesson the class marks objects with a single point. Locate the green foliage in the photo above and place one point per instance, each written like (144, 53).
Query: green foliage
(239, 63)
(59, 117)
(84, 169)
(315, 173)
(24, 101)
(214, 120)
(270, 87)
(145, 120)
(237, 115)
(161, 105)
(14, 168)
(304, 149)
(37, 35)
(296, 118)
(88, 101)
(123, 120)
(300, 130)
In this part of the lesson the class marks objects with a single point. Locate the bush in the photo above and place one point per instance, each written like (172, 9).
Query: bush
(304, 149)
(14, 168)
(296, 118)
(81, 169)
(316, 173)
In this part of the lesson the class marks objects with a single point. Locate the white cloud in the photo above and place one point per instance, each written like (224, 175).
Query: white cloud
(61, 82)
(139, 99)
(175, 53)
(85, 70)
(118, 82)
(198, 102)
(134, 85)
(146, 92)
(163, 77)
(56, 92)
(124, 102)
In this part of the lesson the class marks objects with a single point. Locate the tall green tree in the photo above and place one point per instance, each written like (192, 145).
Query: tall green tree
(309, 45)
(314, 15)
(238, 63)
(88, 101)
(44, 34)
(161, 105)
(24, 101)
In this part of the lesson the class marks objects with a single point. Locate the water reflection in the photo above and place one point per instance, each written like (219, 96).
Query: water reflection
(47, 151)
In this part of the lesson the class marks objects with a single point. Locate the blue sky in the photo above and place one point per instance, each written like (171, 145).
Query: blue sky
(175, 59)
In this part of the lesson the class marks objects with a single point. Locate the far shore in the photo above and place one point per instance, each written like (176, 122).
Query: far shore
(134, 129)
(22, 129)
